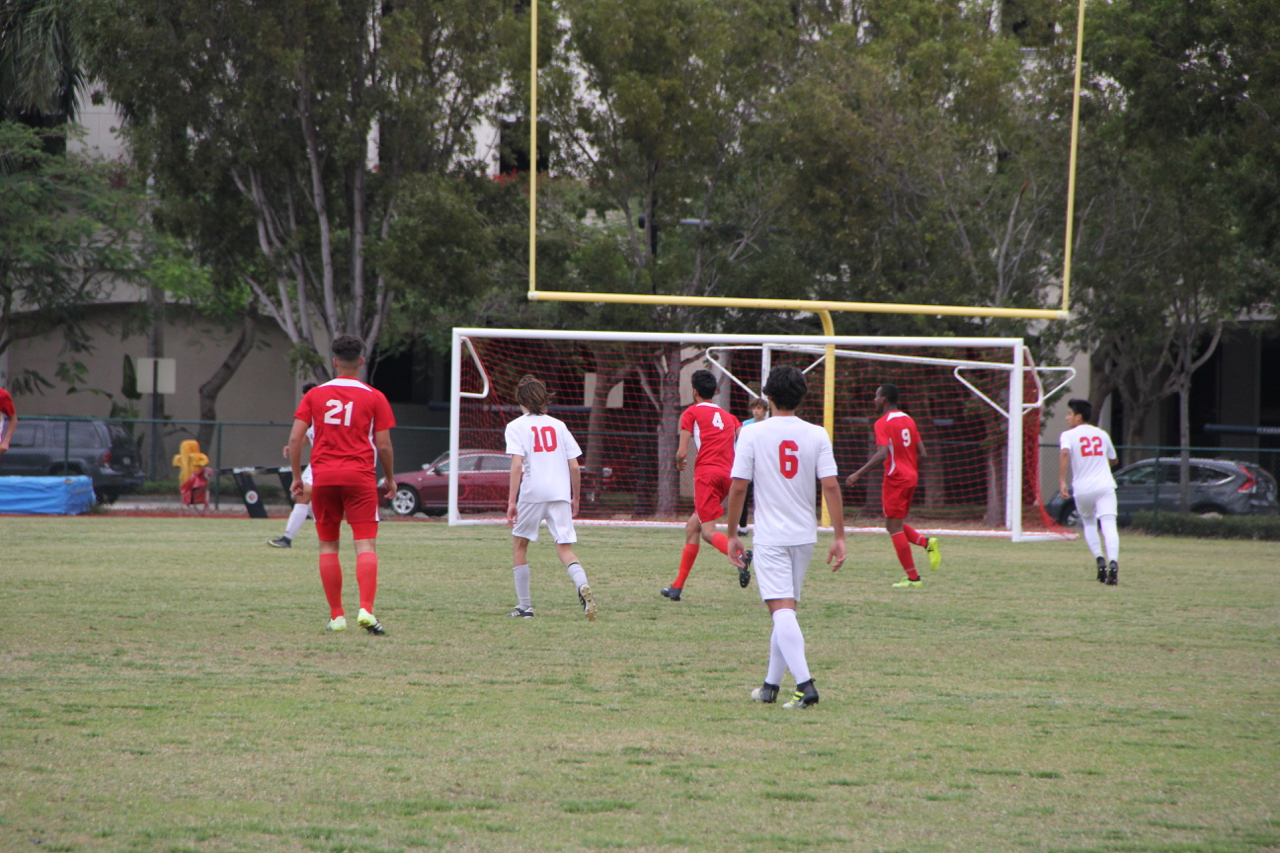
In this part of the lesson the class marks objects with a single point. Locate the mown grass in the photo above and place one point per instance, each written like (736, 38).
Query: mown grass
(166, 686)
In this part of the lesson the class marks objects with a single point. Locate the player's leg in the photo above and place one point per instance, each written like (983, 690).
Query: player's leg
(326, 502)
(780, 574)
(928, 543)
(710, 508)
(1086, 508)
(361, 507)
(1105, 509)
(894, 524)
(560, 524)
(527, 527)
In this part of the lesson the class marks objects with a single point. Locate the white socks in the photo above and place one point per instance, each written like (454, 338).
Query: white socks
(577, 574)
(299, 515)
(523, 597)
(1110, 537)
(789, 641)
(1090, 532)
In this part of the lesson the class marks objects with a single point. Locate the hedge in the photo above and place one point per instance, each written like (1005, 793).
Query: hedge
(1265, 527)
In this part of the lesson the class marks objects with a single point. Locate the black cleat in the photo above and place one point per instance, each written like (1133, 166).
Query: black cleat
(282, 542)
(768, 693)
(672, 592)
(1113, 574)
(806, 696)
(1102, 570)
(522, 612)
(744, 573)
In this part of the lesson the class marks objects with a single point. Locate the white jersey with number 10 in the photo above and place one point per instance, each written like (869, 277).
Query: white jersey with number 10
(784, 457)
(546, 446)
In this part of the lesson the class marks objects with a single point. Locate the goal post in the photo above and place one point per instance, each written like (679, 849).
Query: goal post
(976, 400)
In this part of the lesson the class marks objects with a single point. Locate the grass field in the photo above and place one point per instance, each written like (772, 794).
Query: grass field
(167, 686)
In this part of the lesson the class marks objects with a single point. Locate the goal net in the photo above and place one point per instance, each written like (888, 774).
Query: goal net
(622, 394)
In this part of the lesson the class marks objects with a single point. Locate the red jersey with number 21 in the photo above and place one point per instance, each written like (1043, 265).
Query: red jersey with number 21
(713, 430)
(345, 414)
(898, 431)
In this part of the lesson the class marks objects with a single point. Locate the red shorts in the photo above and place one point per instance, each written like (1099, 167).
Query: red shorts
(709, 490)
(358, 503)
(897, 499)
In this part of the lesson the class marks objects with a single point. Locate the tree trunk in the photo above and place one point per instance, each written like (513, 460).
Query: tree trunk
(1184, 441)
(210, 390)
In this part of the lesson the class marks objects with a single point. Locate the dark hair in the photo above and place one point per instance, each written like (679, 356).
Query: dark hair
(1083, 408)
(761, 402)
(704, 383)
(308, 387)
(533, 395)
(786, 387)
(889, 392)
(347, 348)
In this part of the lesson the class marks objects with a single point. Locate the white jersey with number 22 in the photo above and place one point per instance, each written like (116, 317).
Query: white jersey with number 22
(1090, 451)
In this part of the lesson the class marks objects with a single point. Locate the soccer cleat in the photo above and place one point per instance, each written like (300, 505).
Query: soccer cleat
(588, 602)
(908, 583)
(768, 693)
(934, 552)
(742, 531)
(367, 621)
(1113, 574)
(744, 573)
(672, 592)
(337, 623)
(1102, 570)
(522, 612)
(806, 696)
(282, 542)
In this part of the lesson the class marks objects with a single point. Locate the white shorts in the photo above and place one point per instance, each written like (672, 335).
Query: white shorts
(306, 476)
(559, 518)
(1094, 505)
(780, 569)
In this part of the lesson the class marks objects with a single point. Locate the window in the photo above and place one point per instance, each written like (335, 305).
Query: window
(1142, 475)
(27, 435)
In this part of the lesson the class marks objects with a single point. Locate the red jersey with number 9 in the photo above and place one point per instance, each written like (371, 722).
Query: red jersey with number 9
(898, 431)
(345, 414)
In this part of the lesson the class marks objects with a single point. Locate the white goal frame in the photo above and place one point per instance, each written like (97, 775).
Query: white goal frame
(1018, 363)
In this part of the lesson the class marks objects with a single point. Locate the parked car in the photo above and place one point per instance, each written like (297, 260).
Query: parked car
(104, 452)
(1224, 486)
(484, 476)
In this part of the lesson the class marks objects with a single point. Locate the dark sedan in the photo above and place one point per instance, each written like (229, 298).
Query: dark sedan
(1223, 486)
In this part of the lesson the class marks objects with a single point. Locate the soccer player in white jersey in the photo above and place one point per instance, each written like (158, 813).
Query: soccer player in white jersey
(546, 483)
(1088, 452)
(782, 457)
(301, 508)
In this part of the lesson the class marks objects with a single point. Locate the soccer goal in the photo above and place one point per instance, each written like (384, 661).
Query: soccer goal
(976, 401)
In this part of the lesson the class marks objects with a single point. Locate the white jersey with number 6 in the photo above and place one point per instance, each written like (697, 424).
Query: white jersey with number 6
(1090, 449)
(784, 457)
(546, 445)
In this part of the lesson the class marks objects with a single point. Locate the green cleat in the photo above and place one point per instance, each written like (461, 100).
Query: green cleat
(337, 623)
(369, 622)
(935, 554)
(907, 583)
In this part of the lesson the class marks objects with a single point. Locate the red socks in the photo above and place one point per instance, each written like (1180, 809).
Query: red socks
(367, 579)
(915, 537)
(903, 547)
(720, 542)
(686, 563)
(331, 579)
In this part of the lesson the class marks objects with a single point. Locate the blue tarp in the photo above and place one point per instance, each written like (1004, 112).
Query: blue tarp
(46, 495)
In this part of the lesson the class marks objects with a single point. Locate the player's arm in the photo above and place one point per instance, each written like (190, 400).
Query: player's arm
(296, 436)
(877, 458)
(835, 507)
(575, 484)
(382, 441)
(921, 453)
(682, 451)
(1064, 464)
(737, 497)
(513, 489)
(8, 432)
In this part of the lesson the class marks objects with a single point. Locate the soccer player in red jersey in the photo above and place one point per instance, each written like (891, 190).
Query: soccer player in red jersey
(352, 424)
(898, 446)
(713, 432)
(8, 420)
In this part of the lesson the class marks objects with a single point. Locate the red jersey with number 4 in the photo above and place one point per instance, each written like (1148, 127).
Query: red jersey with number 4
(897, 431)
(713, 430)
(345, 414)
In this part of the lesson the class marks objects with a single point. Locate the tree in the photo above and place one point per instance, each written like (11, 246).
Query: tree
(67, 226)
(301, 120)
(41, 63)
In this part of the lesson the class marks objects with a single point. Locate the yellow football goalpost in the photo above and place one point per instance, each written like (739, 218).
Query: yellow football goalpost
(822, 308)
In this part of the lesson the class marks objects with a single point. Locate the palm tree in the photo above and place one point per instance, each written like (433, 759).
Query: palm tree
(41, 65)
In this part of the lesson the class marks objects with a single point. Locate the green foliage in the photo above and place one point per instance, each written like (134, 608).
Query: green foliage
(1258, 527)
